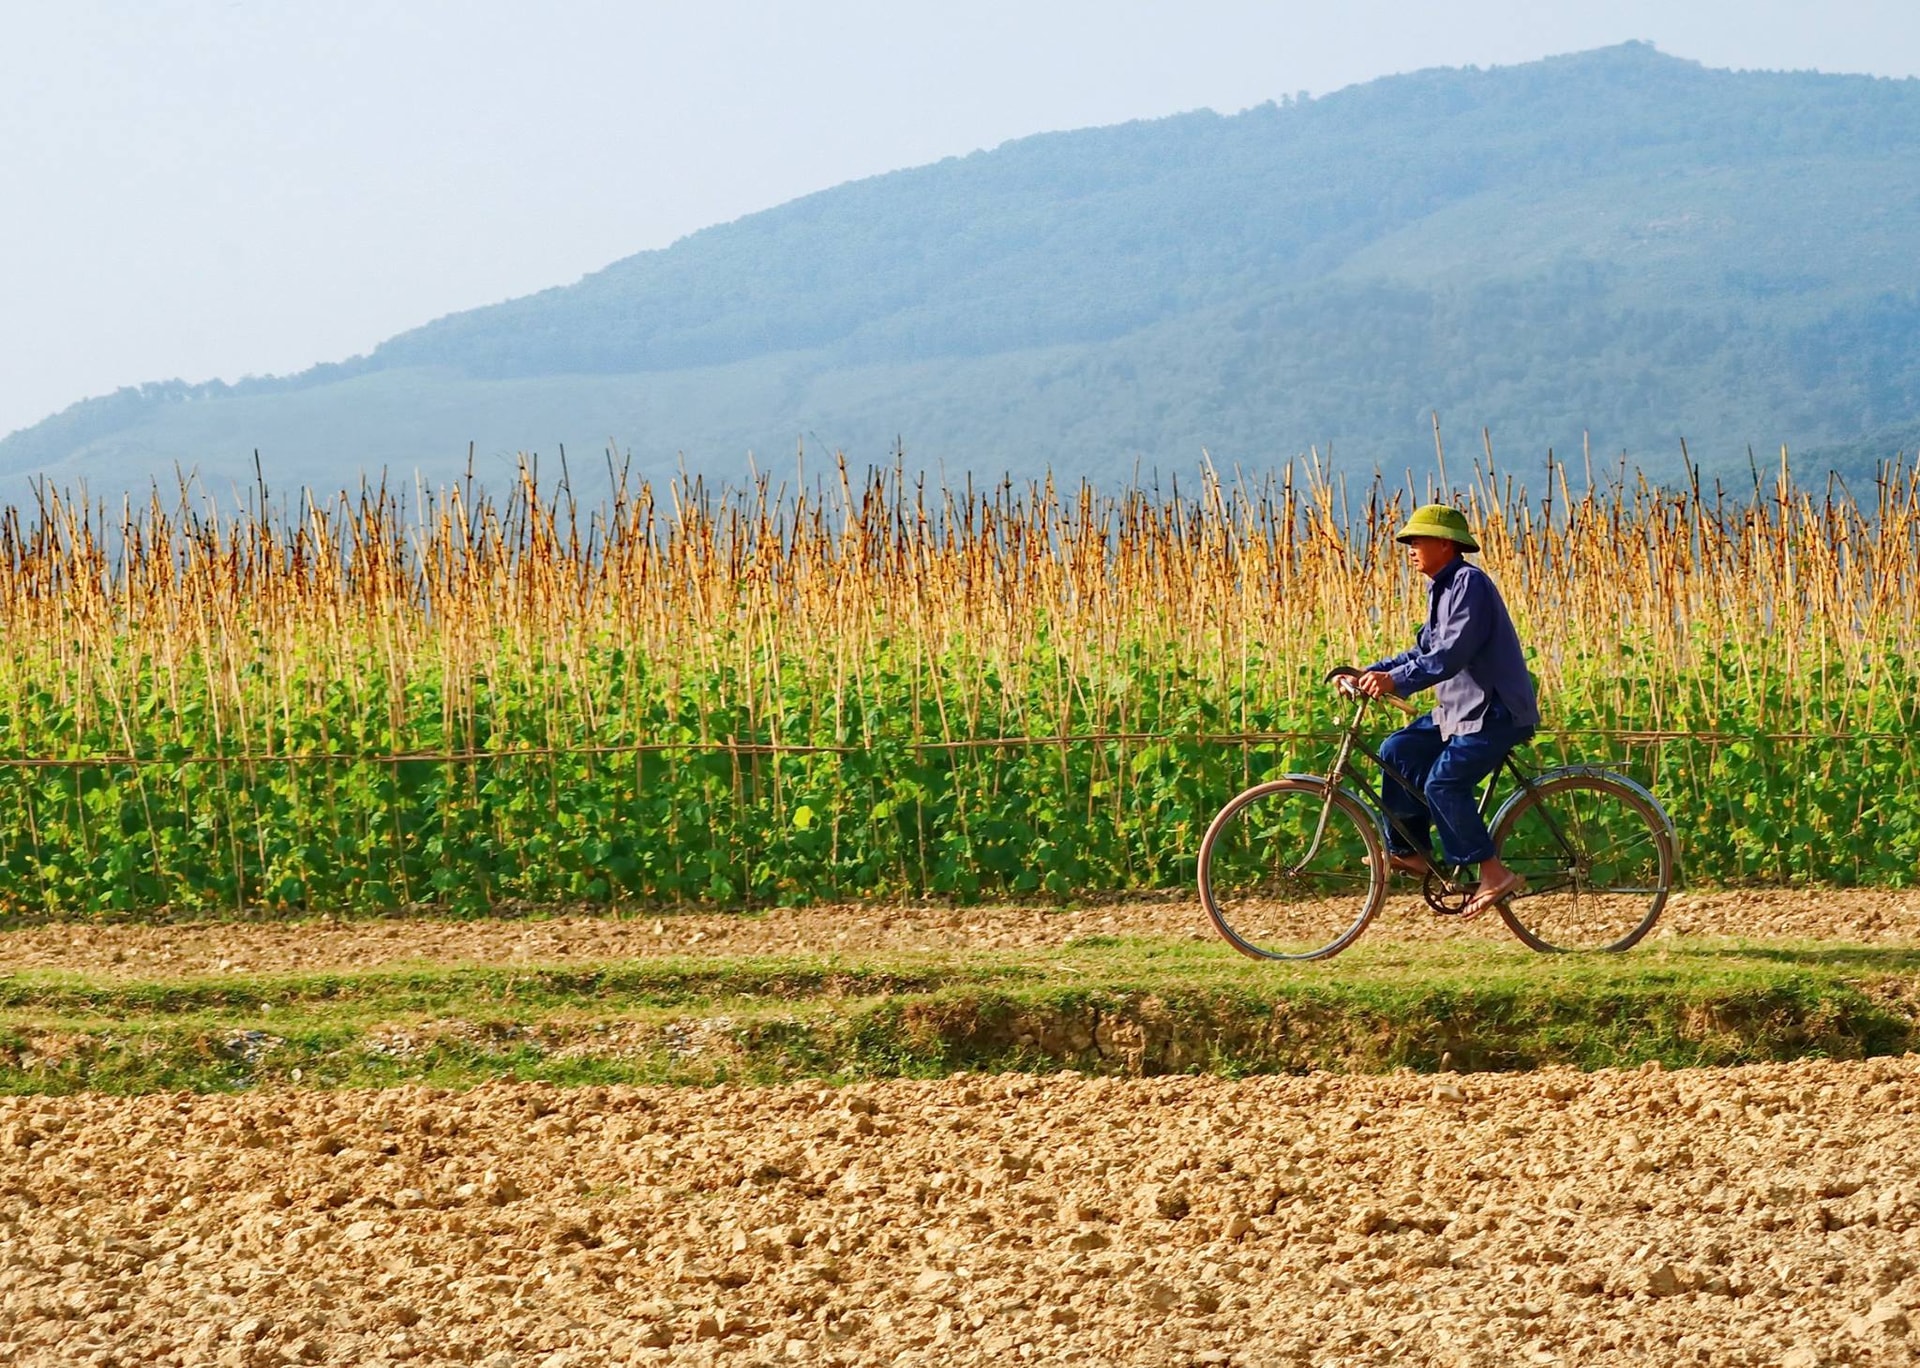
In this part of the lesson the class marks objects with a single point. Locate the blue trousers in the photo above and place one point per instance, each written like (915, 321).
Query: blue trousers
(1449, 773)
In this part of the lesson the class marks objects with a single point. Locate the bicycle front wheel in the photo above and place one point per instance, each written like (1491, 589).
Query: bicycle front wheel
(1291, 870)
(1598, 856)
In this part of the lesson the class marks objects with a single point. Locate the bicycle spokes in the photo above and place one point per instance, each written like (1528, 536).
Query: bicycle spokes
(1291, 870)
(1597, 860)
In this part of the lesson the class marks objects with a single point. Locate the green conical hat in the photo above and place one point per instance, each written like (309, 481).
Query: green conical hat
(1438, 520)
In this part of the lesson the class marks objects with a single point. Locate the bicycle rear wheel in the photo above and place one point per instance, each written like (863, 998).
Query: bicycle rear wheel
(1599, 858)
(1274, 891)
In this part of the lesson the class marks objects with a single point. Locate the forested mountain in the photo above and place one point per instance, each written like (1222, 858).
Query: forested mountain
(1617, 242)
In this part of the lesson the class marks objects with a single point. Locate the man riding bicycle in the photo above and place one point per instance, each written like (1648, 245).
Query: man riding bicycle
(1483, 706)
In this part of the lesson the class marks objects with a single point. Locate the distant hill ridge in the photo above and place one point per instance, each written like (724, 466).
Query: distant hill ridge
(1616, 242)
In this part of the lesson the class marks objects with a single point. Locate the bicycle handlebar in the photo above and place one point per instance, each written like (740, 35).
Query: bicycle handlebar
(1342, 677)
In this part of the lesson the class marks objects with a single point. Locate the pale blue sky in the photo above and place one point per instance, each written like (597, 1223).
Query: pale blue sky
(204, 188)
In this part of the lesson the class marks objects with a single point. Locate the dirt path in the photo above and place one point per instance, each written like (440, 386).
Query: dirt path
(169, 951)
(1723, 1217)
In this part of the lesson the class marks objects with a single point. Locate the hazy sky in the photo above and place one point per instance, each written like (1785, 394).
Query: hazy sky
(203, 188)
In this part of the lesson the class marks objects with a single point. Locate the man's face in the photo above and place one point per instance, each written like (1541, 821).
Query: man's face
(1431, 554)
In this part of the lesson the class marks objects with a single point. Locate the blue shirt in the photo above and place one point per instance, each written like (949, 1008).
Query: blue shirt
(1468, 654)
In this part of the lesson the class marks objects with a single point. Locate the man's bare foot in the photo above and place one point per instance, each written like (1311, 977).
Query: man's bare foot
(1410, 864)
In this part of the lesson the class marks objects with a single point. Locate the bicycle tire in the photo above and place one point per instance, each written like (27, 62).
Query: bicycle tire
(1599, 856)
(1270, 909)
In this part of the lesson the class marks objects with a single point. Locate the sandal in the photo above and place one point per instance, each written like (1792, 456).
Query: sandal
(1488, 895)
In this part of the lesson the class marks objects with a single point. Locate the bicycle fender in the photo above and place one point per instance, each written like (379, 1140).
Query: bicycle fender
(1634, 787)
(1367, 805)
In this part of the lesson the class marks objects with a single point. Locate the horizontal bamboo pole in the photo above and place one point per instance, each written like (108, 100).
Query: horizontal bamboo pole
(461, 757)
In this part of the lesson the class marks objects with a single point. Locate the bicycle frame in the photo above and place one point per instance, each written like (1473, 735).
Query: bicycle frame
(1350, 742)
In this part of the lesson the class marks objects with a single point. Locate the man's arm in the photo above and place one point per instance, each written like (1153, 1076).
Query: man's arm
(1375, 681)
(1462, 621)
(1392, 660)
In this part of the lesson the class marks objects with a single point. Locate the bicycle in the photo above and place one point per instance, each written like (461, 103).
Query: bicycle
(1597, 852)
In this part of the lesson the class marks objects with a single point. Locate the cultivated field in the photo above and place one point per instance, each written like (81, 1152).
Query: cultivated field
(1758, 1215)
(875, 690)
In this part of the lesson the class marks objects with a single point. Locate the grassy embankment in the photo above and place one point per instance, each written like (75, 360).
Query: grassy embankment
(1102, 1004)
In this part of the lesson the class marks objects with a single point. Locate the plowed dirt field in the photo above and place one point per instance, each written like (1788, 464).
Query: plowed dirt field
(1763, 1215)
(1745, 1216)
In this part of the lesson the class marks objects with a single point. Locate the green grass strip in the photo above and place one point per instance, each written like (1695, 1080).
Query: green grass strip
(1127, 1007)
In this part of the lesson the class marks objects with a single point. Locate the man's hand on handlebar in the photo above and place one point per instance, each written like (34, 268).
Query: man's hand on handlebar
(1372, 684)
